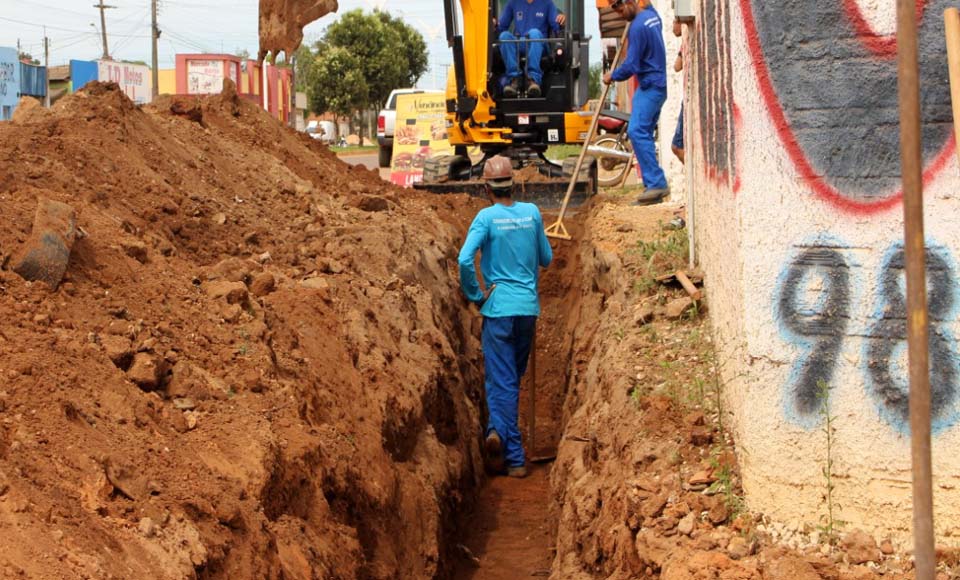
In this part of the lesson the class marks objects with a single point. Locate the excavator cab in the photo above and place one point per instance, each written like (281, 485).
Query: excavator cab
(521, 127)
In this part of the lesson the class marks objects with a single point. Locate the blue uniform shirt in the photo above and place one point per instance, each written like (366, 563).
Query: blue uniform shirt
(514, 247)
(541, 14)
(646, 54)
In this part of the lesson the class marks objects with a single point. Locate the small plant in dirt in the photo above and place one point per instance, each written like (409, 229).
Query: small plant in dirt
(667, 253)
(830, 526)
(724, 484)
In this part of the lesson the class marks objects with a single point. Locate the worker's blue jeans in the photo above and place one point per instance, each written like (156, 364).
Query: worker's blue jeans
(643, 121)
(510, 52)
(506, 349)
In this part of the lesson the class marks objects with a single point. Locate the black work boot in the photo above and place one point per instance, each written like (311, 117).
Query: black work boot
(512, 88)
(493, 447)
(533, 90)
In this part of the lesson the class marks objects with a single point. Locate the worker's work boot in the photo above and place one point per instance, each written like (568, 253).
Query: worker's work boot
(519, 471)
(512, 88)
(493, 448)
(652, 196)
(533, 90)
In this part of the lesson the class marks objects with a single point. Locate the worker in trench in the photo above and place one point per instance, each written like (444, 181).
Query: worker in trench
(513, 245)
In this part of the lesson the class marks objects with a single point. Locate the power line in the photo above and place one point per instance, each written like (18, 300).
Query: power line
(63, 29)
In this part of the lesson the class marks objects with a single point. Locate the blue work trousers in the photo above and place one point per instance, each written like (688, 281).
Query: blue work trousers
(643, 121)
(506, 349)
(511, 54)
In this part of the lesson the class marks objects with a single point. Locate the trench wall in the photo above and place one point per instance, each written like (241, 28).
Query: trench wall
(793, 157)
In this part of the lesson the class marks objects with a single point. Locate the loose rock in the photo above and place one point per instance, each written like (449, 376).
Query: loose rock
(677, 308)
(47, 252)
(263, 284)
(145, 371)
(860, 547)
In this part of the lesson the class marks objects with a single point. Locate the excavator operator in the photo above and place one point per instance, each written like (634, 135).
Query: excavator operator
(534, 20)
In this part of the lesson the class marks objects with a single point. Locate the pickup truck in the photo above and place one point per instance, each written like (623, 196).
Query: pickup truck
(386, 121)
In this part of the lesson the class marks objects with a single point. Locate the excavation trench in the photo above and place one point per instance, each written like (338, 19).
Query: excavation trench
(510, 532)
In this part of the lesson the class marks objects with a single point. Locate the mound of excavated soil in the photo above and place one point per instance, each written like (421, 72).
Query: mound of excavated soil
(258, 364)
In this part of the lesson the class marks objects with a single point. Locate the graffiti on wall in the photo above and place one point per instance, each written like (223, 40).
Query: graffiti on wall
(814, 310)
(717, 118)
(829, 83)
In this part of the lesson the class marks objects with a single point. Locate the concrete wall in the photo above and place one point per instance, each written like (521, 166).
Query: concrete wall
(793, 156)
(9, 82)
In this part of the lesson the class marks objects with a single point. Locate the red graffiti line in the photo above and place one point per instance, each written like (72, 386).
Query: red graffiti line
(820, 187)
(880, 45)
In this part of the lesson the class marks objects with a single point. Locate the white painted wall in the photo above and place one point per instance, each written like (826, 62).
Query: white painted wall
(754, 223)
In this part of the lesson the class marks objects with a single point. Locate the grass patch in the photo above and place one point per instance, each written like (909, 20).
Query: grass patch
(561, 152)
(667, 253)
(354, 149)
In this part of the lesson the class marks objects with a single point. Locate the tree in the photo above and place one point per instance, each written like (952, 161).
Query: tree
(391, 53)
(28, 58)
(336, 83)
(596, 72)
(413, 45)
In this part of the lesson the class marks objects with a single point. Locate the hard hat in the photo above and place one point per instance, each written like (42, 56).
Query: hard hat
(498, 171)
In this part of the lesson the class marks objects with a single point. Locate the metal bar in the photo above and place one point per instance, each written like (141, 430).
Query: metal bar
(908, 77)
(557, 229)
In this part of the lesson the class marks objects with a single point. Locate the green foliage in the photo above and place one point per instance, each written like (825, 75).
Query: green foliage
(593, 84)
(389, 54)
(831, 526)
(360, 59)
(28, 58)
(336, 82)
(724, 485)
(669, 252)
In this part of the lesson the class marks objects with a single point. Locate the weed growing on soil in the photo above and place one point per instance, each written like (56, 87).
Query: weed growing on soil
(724, 485)
(831, 525)
(667, 253)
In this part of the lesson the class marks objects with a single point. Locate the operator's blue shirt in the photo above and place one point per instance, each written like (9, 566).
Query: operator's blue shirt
(514, 247)
(540, 14)
(646, 53)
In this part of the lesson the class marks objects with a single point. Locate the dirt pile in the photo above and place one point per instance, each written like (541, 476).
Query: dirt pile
(257, 364)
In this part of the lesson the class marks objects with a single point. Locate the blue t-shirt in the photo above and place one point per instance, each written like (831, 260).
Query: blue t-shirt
(541, 14)
(514, 247)
(646, 54)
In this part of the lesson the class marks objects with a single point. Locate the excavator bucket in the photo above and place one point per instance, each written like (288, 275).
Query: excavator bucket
(542, 184)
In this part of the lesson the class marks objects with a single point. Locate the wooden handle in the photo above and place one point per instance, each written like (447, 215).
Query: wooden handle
(692, 290)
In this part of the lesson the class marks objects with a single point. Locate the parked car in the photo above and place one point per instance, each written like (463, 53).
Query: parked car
(325, 131)
(386, 121)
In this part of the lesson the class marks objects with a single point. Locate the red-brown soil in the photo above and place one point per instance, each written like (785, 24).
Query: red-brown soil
(282, 23)
(258, 364)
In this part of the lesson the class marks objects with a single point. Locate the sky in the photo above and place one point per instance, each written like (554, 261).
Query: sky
(228, 26)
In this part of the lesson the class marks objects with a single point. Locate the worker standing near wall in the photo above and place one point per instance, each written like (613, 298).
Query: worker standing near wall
(647, 60)
(513, 246)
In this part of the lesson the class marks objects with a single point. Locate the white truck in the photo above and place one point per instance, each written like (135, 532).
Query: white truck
(386, 121)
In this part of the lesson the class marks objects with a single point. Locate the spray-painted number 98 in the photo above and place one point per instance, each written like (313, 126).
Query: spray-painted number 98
(820, 326)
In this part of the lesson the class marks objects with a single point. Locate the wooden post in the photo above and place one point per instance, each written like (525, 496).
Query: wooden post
(911, 160)
(951, 19)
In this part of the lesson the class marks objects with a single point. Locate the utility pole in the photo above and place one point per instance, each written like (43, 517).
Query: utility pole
(46, 69)
(154, 35)
(103, 27)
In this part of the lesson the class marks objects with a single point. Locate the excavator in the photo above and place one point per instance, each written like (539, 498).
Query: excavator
(480, 118)
(521, 127)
